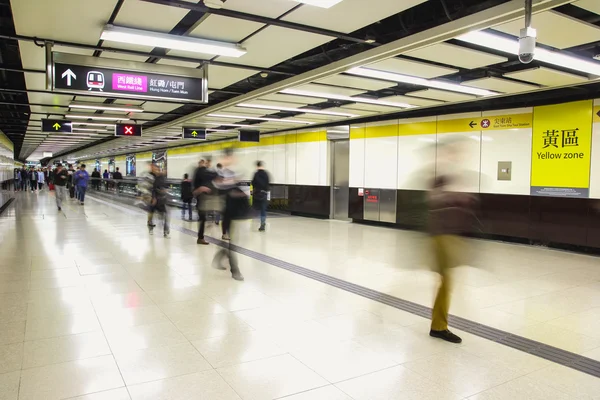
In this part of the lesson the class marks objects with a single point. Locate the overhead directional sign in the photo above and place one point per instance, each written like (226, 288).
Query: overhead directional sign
(91, 75)
(249, 136)
(194, 133)
(128, 130)
(56, 125)
(494, 123)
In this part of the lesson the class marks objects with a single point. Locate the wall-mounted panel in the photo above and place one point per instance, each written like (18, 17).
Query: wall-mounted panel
(381, 156)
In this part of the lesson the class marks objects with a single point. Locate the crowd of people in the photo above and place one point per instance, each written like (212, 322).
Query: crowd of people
(31, 178)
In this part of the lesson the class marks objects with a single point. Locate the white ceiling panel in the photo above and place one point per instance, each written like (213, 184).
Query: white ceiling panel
(459, 56)
(556, 29)
(349, 15)
(356, 82)
(413, 68)
(500, 85)
(216, 27)
(126, 46)
(34, 57)
(176, 63)
(143, 15)
(590, 5)
(274, 44)
(441, 95)
(326, 89)
(352, 111)
(413, 100)
(275, 104)
(35, 81)
(49, 98)
(547, 77)
(246, 111)
(68, 20)
(127, 57)
(317, 117)
(265, 8)
(221, 77)
(160, 107)
(290, 98)
(370, 107)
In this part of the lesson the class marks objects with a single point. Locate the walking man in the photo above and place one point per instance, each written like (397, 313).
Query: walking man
(81, 178)
(260, 192)
(61, 178)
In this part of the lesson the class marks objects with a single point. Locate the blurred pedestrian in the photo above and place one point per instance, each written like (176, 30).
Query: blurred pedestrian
(186, 196)
(218, 212)
(81, 182)
(33, 177)
(203, 189)
(96, 179)
(236, 208)
(41, 179)
(451, 214)
(261, 186)
(159, 199)
(61, 178)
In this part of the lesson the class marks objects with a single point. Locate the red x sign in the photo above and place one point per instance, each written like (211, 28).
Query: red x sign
(129, 130)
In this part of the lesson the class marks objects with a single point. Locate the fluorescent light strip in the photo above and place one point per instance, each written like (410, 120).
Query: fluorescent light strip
(92, 124)
(511, 46)
(302, 110)
(167, 41)
(106, 107)
(100, 117)
(432, 83)
(346, 98)
(241, 117)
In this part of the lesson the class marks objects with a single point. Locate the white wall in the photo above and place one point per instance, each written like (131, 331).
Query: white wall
(287, 160)
(506, 145)
(416, 156)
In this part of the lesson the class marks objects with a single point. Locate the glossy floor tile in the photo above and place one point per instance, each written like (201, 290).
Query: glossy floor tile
(93, 308)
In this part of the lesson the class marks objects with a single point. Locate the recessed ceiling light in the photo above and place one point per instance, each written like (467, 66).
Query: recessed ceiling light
(292, 109)
(168, 41)
(106, 107)
(99, 117)
(511, 46)
(242, 117)
(355, 99)
(432, 83)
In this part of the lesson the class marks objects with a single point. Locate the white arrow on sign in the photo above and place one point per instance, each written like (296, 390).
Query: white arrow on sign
(69, 75)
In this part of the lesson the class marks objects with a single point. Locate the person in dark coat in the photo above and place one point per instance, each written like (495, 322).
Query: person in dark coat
(261, 186)
(186, 196)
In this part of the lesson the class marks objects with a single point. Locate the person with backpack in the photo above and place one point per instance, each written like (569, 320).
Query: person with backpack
(159, 200)
(81, 179)
(186, 196)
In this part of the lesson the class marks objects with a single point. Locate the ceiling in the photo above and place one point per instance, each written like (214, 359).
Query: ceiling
(296, 72)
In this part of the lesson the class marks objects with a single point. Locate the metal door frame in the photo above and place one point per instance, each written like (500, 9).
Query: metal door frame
(332, 175)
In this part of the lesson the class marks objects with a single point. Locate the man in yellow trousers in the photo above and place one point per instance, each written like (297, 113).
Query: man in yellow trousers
(451, 214)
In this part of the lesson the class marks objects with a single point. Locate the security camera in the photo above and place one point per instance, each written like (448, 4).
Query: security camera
(527, 40)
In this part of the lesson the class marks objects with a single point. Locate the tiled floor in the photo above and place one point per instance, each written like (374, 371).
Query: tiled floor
(93, 308)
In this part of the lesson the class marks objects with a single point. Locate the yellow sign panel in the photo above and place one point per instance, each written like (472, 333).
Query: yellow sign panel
(561, 149)
(494, 123)
(596, 113)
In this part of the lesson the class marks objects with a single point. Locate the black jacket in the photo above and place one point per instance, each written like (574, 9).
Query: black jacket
(61, 178)
(261, 181)
(117, 175)
(95, 174)
(186, 191)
